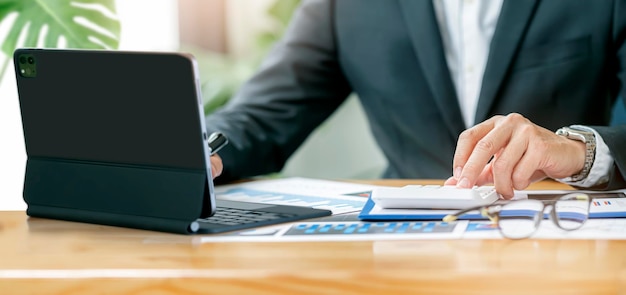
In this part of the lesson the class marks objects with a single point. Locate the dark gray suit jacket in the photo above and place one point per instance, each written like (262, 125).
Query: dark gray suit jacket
(557, 62)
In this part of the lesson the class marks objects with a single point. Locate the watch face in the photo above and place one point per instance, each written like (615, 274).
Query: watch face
(580, 131)
(562, 132)
(576, 134)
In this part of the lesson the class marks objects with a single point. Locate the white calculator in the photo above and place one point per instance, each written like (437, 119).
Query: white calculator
(433, 197)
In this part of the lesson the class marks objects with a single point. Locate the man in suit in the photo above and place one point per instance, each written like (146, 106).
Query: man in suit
(428, 72)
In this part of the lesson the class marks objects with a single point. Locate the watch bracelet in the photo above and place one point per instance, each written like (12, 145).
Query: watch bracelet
(590, 149)
(590, 156)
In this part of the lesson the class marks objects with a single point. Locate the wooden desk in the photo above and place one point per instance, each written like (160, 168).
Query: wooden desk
(56, 257)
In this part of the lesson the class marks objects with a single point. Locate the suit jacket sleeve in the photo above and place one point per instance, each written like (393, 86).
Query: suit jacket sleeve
(297, 87)
(615, 137)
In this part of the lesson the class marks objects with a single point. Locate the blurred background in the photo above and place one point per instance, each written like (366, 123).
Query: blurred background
(229, 39)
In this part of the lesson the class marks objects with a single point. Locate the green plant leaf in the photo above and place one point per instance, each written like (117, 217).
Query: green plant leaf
(281, 11)
(60, 17)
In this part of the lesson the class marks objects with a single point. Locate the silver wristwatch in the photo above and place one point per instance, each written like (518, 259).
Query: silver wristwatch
(590, 152)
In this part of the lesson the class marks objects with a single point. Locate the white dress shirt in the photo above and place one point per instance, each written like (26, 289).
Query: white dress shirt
(466, 28)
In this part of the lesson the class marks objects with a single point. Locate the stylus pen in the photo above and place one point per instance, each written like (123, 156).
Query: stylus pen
(217, 141)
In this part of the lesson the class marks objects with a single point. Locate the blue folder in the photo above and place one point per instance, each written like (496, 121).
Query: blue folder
(437, 214)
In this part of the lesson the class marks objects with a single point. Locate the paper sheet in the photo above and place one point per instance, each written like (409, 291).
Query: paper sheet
(594, 229)
(339, 197)
(346, 231)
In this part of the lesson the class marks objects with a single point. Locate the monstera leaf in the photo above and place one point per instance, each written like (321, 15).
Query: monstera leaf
(82, 23)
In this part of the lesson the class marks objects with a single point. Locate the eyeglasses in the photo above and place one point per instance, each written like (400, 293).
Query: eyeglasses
(520, 219)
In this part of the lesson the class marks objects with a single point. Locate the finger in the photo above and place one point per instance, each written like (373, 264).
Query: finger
(216, 166)
(506, 161)
(450, 181)
(466, 143)
(537, 176)
(486, 176)
(529, 168)
(485, 148)
(525, 170)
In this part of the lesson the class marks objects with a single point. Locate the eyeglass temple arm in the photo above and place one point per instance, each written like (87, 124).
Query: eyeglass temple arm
(454, 216)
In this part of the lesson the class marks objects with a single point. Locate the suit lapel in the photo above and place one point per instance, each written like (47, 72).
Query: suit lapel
(512, 23)
(422, 26)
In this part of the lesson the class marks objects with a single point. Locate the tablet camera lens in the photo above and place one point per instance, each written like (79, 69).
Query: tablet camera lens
(27, 66)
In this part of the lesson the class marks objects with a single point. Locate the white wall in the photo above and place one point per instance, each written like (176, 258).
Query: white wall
(12, 154)
(146, 25)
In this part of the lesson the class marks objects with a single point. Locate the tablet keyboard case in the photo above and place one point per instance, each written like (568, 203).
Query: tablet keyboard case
(114, 138)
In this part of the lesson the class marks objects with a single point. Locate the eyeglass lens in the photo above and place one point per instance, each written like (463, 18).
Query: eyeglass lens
(571, 211)
(520, 219)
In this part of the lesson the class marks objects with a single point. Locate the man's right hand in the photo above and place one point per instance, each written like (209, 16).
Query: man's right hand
(520, 152)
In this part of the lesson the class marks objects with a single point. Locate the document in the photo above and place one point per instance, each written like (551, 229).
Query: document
(325, 231)
(339, 197)
(350, 202)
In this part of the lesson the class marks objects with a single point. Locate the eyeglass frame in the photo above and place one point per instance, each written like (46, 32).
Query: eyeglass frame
(492, 211)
